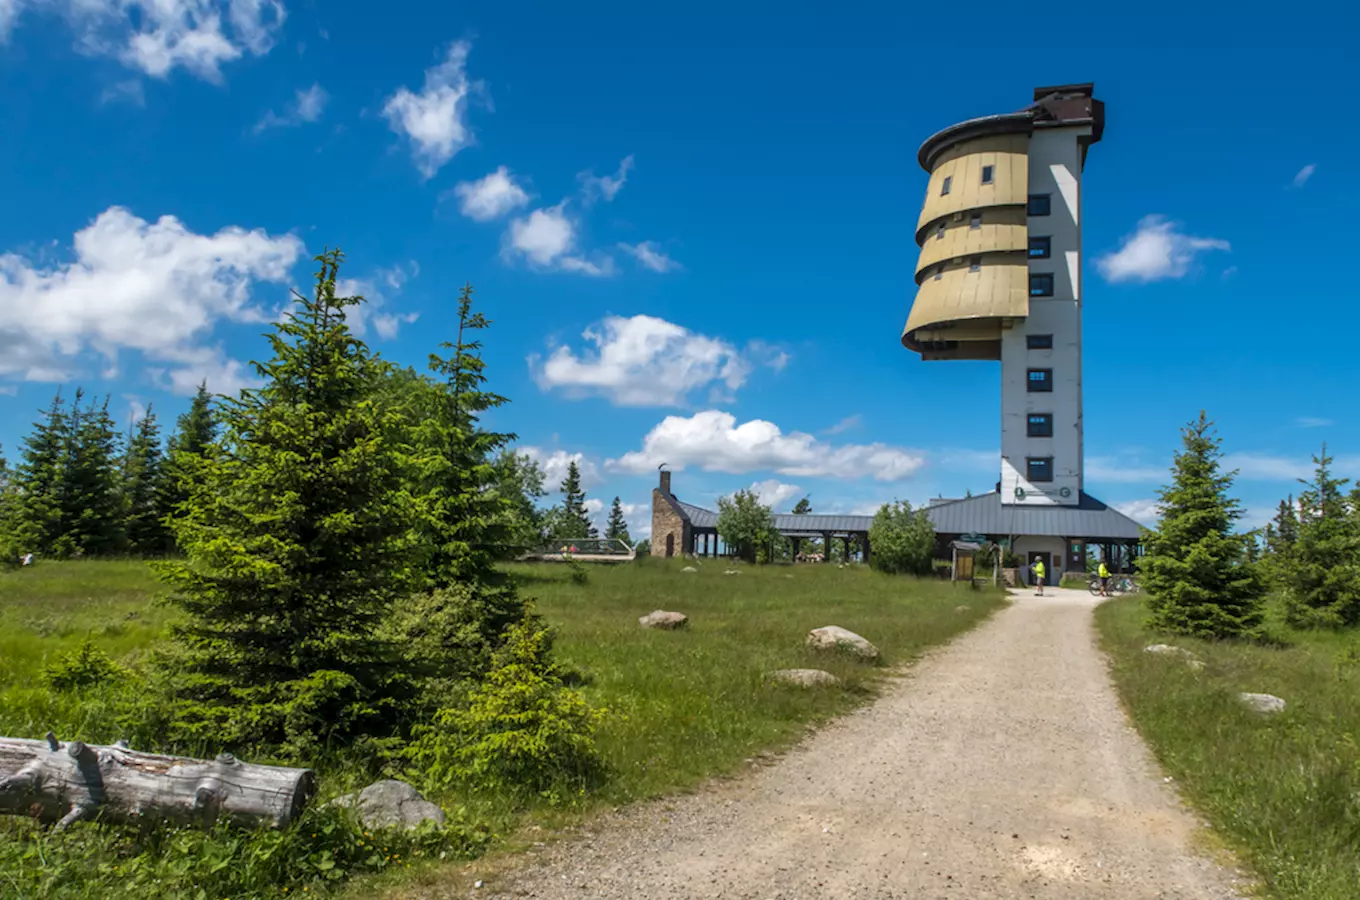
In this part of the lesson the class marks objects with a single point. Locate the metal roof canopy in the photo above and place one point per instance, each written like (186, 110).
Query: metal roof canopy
(984, 514)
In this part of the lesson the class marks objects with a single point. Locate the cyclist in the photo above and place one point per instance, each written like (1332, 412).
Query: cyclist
(1104, 574)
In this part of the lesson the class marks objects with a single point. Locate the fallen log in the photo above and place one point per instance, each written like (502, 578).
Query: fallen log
(61, 783)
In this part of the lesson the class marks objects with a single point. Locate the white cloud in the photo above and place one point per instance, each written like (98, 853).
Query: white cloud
(127, 91)
(9, 390)
(595, 186)
(650, 256)
(156, 36)
(1110, 470)
(1304, 174)
(642, 361)
(136, 410)
(1157, 250)
(435, 120)
(307, 106)
(845, 424)
(490, 197)
(775, 493)
(713, 441)
(546, 239)
(1263, 467)
(373, 311)
(222, 374)
(155, 288)
(1144, 512)
(594, 506)
(9, 13)
(555, 464)
(1313, 422)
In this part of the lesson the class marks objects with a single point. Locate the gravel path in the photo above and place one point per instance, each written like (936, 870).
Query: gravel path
(1002, 766)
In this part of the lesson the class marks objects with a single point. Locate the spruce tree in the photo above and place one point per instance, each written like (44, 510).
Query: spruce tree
(92, 504)
(802, 507)
(1322, 573)
(1195, 569)
(195, 431)
(144, 489)
(34, 512)
(297, 536)
(617, 527)
(572, 521)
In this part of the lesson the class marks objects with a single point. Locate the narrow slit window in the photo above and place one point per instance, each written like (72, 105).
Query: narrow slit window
(1039, 341)
(946, 184)
(939, 232)
(1040, 247)
(1039, 468)
(1039, 204)
(939, 272)
(1040, 425)
(1040, 381)
(1041, 285)
(987, 172)
(975, 264)
(975, 220)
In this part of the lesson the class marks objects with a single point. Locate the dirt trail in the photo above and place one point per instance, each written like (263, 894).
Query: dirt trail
(1001, 766)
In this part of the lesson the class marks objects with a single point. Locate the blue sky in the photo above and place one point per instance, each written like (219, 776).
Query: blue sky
(693, 233)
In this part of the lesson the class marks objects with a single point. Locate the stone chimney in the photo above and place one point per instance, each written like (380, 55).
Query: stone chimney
(666, 482)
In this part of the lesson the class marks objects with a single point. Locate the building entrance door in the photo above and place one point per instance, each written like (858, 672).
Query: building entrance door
(670, 545)
(1048, 565)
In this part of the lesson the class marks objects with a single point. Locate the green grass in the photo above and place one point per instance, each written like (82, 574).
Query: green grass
(684, 706)
(1283, 791)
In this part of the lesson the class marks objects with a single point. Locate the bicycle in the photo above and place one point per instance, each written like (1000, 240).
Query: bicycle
(1119, 584)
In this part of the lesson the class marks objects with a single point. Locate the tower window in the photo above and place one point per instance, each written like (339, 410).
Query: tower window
(1040, 381)
(939, 272)
(975, 221)
(1039, 425)
(1039, 468)
(1040, 247)
(1039, 204)
(975, 264)
(946, 184)
(987, 174)
(1039, 342)
(939, 232)
(1041, 285)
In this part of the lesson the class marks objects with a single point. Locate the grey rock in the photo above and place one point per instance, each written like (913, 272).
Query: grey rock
(732, 572)
(391, 804)
(664, 620)
(689, 569)
(804, 677)
(1190, 659)
(1262, 703)
(834, 637)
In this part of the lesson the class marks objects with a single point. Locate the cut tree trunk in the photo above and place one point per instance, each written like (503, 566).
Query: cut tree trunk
(63, 783)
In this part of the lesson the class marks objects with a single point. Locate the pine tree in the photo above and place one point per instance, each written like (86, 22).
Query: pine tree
(34, 512)
(617, 527)
(802, 507)
(297, 533)
(144, 489)
(1284, 531)
(91, 498)
(572, 521)
(195, 431)
(1322, 572)
(1195, 569)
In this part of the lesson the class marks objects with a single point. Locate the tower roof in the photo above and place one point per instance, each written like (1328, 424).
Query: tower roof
(1067, 104)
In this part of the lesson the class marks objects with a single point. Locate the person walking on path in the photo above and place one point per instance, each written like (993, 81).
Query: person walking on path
(1039, 573)
(1104, 574)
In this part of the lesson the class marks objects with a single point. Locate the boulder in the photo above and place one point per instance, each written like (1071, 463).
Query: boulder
(664, 620)
(804, 677)
(834, 637)
(732, 572)
(1190, 659)
(689, 569)
(1262, 703)
(391, 804)
(963, 608)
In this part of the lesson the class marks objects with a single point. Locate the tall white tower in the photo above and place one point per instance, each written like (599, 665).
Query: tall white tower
(999, 277)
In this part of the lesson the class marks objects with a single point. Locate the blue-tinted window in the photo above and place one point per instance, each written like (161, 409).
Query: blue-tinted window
(948, 182)
(1039, 468)
(1040, 247)
(1039, 341)
(987, 174)
(1041, 285)
(1040, 425)
(1040, 381)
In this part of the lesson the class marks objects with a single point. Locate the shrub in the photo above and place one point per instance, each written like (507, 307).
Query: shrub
(522, 730)
(579, 575)
(83, 667)
(744, 523)
(901, 540)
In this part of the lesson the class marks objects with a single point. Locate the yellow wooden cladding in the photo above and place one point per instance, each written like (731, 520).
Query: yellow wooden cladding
(1000, 290)
(1001, 229)
(962, 164)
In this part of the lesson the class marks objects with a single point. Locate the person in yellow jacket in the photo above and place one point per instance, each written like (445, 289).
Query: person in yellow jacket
(1104, 574)
(1039, 572)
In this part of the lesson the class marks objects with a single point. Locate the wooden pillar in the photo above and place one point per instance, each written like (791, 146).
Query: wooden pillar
(826, 546)
(865, 538)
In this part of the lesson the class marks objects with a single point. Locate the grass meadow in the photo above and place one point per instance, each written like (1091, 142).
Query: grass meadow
(684, 706)
(1283, 790)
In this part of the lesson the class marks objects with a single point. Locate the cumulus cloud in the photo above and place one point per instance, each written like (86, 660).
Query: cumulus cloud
(435, 119)
(1144, 512)
(307, 106)
(490, 197)
(154, 288)
(376, 291)
(1304, 174)
(775, 493)
(546, 239)
(845, 424)
(1157, 250)
(555, 463)
(650, 256)
(594, 187)
(713, 441)
(642, 361)
(157, 36)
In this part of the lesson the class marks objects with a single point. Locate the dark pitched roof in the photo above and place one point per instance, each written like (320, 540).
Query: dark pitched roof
(983, 514)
